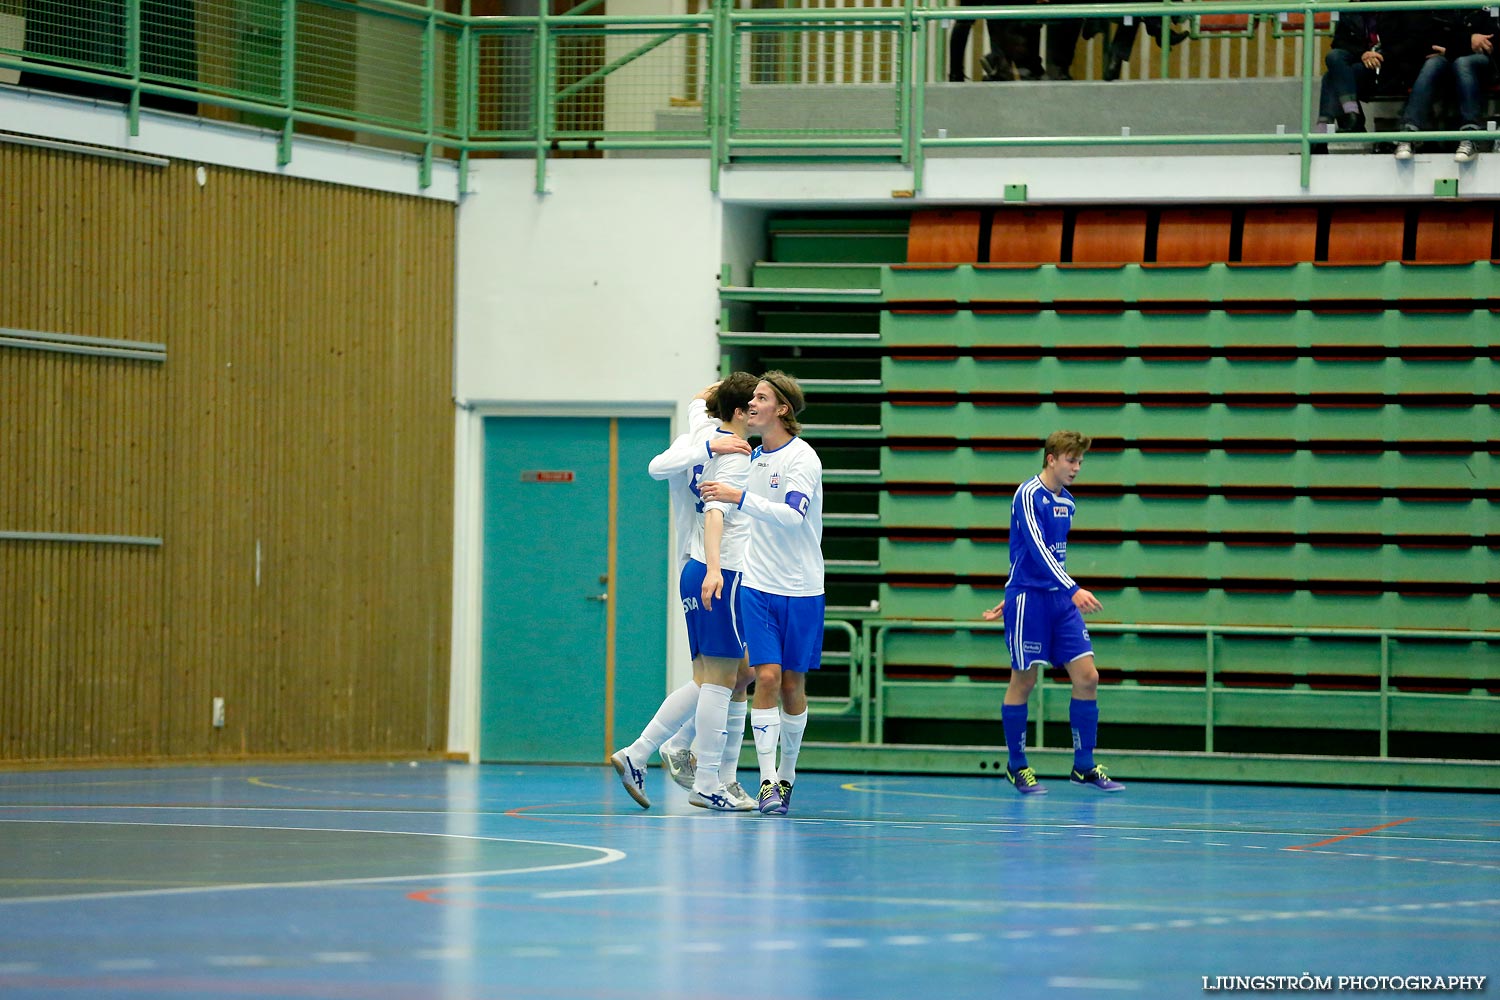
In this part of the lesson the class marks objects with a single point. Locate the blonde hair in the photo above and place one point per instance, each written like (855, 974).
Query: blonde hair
(788, 393)
(1065, 443)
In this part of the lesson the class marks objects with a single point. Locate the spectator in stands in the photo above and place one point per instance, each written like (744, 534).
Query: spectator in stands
(1354, 65)
(1460, 62)
(996, 64)
(1122, 43)
(1016, 46)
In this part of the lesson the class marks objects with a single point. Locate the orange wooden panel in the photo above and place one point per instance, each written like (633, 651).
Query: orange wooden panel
(943, 236)
(1026, 236)
(1109, 236)
(1193, 235)
(1366, 234)
(1294, 22)
(1458, 233)
(1279, 235)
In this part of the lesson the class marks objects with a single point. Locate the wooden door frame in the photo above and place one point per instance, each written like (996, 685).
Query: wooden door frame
(468, 549)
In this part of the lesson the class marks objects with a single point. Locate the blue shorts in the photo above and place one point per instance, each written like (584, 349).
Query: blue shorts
(1043, 626)
(784, 630)
(716, 632)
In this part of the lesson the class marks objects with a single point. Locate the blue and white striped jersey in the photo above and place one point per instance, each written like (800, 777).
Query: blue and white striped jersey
(1039, 523)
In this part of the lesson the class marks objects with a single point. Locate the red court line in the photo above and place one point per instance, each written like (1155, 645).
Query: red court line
(1347, 836)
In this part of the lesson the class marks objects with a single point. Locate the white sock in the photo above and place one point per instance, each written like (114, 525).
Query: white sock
(675, 709)
(708, 745)
(766, 724)
(682, 739)
(792, 728)
(729, 767)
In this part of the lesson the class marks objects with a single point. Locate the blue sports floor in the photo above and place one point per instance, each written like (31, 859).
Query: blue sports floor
(453, 881)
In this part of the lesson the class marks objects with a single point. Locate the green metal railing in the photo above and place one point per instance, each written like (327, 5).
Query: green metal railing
(788, 83)
(1320, 708)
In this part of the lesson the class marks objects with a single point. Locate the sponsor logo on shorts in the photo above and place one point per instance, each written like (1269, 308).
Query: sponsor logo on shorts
(689, 604)
(1031, 647)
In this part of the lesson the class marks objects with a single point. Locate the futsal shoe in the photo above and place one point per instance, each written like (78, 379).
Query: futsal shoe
(1095, 777)
(770, 799)
(1025, 781)
(632, 777)
(742, 800)
(681, 765)
(718, 800)
(785, 788)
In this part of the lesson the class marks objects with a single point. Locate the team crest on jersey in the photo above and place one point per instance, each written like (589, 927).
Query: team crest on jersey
(775, 481)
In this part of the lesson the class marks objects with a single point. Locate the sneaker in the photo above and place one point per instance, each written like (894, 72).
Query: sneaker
(1403, 151)
(1351, 121)
(770, 799)
(681, 765)
(1467, 152)
(996, 67)
(632, 777)
(1025, 781)
(1096, 778)
(742, 800)
(718, 800)
(1114, 62)
(785, 789)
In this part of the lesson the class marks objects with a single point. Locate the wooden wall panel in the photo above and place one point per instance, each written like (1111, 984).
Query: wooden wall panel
(294, 453)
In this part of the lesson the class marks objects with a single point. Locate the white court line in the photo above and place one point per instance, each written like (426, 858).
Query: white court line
(608, 855)
(1088, 983)
(576, 893)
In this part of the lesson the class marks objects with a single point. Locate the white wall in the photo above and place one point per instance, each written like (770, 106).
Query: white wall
(598, 297)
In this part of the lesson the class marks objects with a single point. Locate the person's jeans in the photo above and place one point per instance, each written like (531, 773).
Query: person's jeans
(1473, 72)
(1347, 79)
(1469, 75)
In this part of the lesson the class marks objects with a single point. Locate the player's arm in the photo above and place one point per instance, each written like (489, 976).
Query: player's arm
(1034, 541)
(699, 422)
(713, 537)
(801, 486)
(679, 458)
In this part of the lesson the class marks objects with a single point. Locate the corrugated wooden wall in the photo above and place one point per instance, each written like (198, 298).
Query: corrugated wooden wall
(294, 453)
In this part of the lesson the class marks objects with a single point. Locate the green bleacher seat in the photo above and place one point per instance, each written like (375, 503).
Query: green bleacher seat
(1196, 557)
(1110, 375)
(1210, 330)
(1276, 419)
(1288, 608)
(962, 510)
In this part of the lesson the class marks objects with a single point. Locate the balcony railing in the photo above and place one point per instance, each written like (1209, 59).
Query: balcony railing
(800, 80)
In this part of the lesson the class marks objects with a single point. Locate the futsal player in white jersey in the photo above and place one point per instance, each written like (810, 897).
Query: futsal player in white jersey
(782, 588)
(711, 603)
(679, 465)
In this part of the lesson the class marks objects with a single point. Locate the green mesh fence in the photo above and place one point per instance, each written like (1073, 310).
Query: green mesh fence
(807, 78)
(628, 82)
(504, 68)
(86, 36)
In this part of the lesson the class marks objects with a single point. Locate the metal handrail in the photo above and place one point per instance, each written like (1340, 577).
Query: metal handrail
(905, 141)
(877, 628)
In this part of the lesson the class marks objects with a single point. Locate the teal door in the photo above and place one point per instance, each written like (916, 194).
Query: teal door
(574, 634)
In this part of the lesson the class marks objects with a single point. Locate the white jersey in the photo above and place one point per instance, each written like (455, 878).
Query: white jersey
(785, 497)
(675, 465)
(732, 470)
